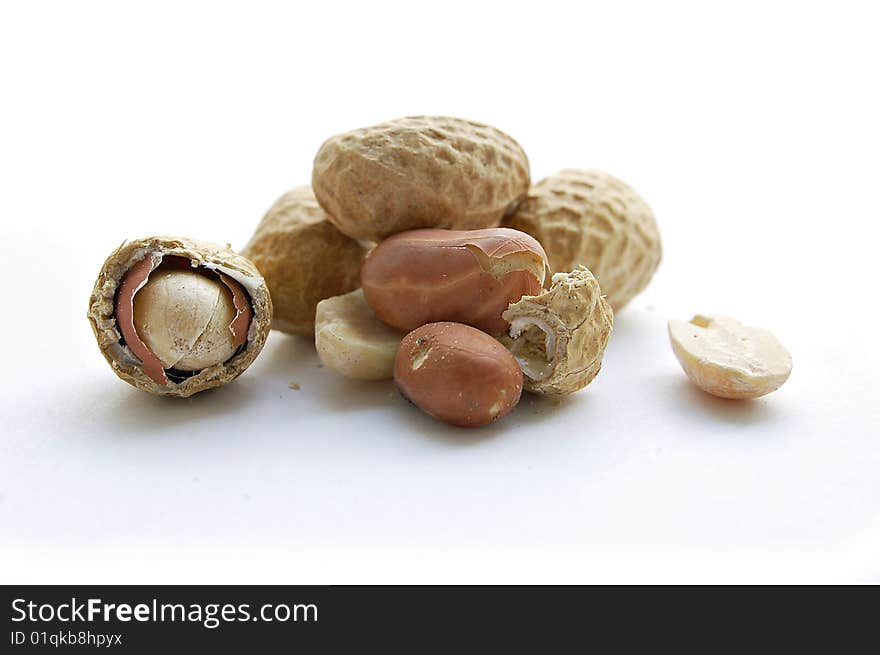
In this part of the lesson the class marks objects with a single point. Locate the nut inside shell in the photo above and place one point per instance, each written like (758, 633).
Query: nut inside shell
(229, 275)
(179, 319)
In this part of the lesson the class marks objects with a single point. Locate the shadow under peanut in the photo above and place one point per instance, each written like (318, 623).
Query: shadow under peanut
(736, 412)
(284, 357)
(532, 410)
(136, 413)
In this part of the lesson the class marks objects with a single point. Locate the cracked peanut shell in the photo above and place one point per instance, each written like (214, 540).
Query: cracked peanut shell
(559, 336)
(131, 267)
(418, 172)
(303, 258)
(590, 218)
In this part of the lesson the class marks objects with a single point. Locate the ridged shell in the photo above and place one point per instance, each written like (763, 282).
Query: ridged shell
(419, 172)
(102, 311)
(590, 218)
(580, 320)
(303, 258)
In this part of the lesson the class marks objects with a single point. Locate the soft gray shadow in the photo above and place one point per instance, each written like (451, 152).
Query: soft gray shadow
(284, 356)
(138, 413)
(344, 395)
(133, 411)
(632, 331)
(534, 409)
(742, 412)
(626, 324)
(531, 410)
(415, 421)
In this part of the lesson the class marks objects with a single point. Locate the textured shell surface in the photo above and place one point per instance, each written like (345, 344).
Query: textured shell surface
(591, 218)
(417, 172)
(101, 312)
(303, 258)
(561, 333)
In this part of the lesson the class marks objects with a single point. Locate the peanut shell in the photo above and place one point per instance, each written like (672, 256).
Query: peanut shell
(212, 257)
(416, 172)
(303, 258)
(559, 336)
(590, 218)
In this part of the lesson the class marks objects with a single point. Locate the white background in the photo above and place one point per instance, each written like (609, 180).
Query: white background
(752, 130)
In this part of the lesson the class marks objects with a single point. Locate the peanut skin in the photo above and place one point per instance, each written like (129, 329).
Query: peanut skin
(469, 277)
(457, 374)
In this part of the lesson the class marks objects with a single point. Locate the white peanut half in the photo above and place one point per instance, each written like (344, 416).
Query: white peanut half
(728, 359)
(352, 341)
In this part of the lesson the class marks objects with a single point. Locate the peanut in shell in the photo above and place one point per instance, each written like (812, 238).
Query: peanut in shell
(419, 172)
(303, 258)
(231, 280)
(590, 218)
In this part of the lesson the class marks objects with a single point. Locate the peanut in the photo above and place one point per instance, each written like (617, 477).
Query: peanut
(419, 172)
(457, 374)
(303, 258)
(727, 359)
(592, 219)
(352, 341)
(470, 277)
(184, 318)
(176, 316)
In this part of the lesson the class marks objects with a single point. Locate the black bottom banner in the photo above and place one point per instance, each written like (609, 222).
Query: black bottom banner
(413, 619)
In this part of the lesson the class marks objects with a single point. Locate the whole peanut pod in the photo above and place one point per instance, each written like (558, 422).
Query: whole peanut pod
(303, 258)
(470, 277)
(419, 172)
(590, 218)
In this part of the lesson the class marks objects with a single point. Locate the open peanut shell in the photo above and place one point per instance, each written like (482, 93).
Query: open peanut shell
(559, 336)
(232, 278)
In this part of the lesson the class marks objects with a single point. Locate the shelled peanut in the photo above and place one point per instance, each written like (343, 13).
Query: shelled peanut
(492, 280)
(457, 374)
(727, 359)
(352, 341)
(423, 276)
